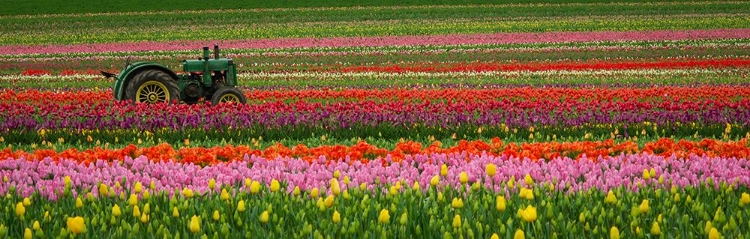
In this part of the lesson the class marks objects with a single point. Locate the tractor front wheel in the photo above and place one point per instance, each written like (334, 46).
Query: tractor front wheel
(228, 94)
(153, 86)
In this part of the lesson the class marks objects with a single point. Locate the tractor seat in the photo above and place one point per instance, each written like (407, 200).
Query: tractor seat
(196, 73)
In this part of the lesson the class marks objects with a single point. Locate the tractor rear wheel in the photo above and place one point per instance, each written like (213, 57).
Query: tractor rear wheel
(228, 94)
(152, 86)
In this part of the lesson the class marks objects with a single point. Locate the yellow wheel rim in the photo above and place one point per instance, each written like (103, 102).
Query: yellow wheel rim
(152, 92)
(229, 98)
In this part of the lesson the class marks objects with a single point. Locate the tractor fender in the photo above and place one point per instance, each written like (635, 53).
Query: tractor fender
(123, 79)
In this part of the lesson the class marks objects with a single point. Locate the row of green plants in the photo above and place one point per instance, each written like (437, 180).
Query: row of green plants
(41, 35)
(90, 6)
(403, 211)
(366, 80)
(382, 136)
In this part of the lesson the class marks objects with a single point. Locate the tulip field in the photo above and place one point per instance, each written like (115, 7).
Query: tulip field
(422, 119)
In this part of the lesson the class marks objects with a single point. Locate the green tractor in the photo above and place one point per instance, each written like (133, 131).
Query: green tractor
(148, 82)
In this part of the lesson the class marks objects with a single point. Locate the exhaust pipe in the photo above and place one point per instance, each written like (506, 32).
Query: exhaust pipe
(205, 53)
(216, 51)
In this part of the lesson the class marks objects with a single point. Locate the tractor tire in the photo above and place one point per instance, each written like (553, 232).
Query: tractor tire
(152, 86)
(228, 94)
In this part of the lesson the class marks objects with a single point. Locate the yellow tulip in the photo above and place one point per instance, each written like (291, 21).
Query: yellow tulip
(248, 181)
(175, 212)
(494, 236)
(457, 203)
(519, 234)
(67, 181)
(224, 194)
(457, 221)
(643, 208)
(264, 217)
(443, 170)
(241, 206)
(133, 200)
(744, 199)
(296, 191)
(314, 193)
(103, 190)
(79, 202)
(336, 174)
(136, 211)
(384, 216)
(614, 233)
(655, 230)
(500, 203)
(188, 193)
(36, 226)
(652, 173)
(435, 180)
(512, 181)
(116, 210)
(416, 186)
(76, 225)
(329, 201)
(713, 234)
(463, 177)
(212, 183)
(491, 169)
(335, 189)
(26, 202)
(528, 180)
(646, 174)
(529, 214)
(336, 217)
(195, 224)
(27, 234)
(153, 185)
(255, 187)
(708, 227)
(611, 199)
(144, 218)
(346, 180)
(138, 188)
(20, 209)
(275, 185)
(216, 215)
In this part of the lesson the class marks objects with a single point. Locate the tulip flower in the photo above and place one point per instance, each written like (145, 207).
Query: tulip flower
(529, 214)
(195, 225)
(494, 236)
(435, 180)
(224, 194)
(611, 199)
(614, 233)
(216, 215)
(144, 218)
(528, 180)
(136, 211)
(254, 187)
(275, 186)
(457, 221)
(188, 193)
(713, 234)
(241, 206)
(329, 201)
(27, 234)
(26, 202)
(336, 174)
(138, 188)
(643, 208)
(519, 234)
(463, 177)
(457, 203)
(744, 199)
(79, 202)
(212, 184)
(500, 203)
(36, 226)
(335, 189)
(264, 217)
(116, 210)
(76, 225)
(20, 209)
(336, 217)
(491, 169)
(384, 216)
(655, 230)
(443, 170)
(314, 193)
(175, 212)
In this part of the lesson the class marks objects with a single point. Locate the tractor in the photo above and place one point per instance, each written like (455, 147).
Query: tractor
(148, 82)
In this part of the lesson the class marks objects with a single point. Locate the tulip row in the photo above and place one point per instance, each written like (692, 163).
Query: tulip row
(55, 36)
(365, 152)
(438, 195)
(72, 81)
(298, 59)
